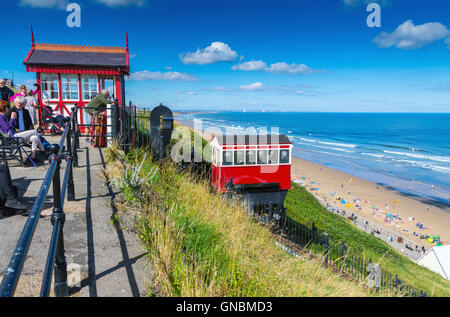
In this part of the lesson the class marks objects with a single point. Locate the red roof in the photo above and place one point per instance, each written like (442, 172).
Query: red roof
(58, 58)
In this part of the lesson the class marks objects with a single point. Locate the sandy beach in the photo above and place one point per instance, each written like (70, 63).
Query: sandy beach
(371, 202)
(375, 201)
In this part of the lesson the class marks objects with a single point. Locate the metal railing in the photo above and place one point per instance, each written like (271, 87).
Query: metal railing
(346, 259)
(56, 261)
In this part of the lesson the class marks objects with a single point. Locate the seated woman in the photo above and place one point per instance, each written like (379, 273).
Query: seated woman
(15, 123)
(47, 112)
(8, 192)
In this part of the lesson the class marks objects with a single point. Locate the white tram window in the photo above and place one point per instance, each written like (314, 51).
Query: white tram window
(227, 158)
(273, 156)
(262, 157)
(285, 156)
(239, 158)
(251, 157)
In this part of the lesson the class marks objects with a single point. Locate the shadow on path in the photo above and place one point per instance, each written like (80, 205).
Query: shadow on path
(123, 246)
(90, 234)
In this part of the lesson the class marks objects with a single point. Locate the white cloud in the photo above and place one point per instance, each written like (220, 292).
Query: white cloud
(293, 69)
(409, 36)
(218, 88)
(174, 76)
(250, 66)
(215, 53)
(277, 68)
(252, 87)
(46, 4)
(122, 3)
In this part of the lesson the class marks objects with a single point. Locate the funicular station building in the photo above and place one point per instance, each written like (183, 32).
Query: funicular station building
(72, 75)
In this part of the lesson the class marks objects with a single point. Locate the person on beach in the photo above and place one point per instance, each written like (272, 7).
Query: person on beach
(16, 122)
(5, 92)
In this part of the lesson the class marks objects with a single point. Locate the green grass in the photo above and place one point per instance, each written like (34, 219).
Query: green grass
(305, 208)
(202, 245)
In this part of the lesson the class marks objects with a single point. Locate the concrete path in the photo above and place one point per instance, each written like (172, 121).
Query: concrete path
(102, 261)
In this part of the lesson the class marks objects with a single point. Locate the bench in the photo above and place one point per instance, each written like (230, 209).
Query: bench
(10, 149)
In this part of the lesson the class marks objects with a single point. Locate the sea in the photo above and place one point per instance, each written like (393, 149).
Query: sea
(409, 153)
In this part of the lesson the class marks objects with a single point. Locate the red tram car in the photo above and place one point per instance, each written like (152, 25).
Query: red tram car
(257, 167)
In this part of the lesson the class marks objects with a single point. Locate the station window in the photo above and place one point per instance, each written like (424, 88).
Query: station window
(285, 156)
(70, 87)
(90, 87)
(251, 157)
(239, 158)
(273, 156)
(227, 158)
(50, 86)
(262, 157)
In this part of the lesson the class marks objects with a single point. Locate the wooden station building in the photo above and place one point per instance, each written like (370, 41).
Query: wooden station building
(72, 75)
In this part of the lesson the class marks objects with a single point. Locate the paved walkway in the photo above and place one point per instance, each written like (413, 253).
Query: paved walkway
(102, 261)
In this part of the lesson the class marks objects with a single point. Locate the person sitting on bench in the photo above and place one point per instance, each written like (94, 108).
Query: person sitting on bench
(17, 123)
(8, 192)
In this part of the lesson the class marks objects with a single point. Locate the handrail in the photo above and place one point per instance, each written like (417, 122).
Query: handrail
(56, 249)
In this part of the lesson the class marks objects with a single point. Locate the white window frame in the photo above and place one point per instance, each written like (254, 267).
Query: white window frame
(90, 87)
(232, 157)
(69, 83)
(46, 81)
(290, 155)
(218, 158)
(256, 157)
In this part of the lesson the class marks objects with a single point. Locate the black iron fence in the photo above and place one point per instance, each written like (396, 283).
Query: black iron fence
(135, 129)
(56, 262)
(345, 259)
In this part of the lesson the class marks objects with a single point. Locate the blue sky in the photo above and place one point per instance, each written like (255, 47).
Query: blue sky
(283, 55)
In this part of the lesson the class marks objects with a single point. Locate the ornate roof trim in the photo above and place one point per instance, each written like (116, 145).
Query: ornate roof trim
(79, 48)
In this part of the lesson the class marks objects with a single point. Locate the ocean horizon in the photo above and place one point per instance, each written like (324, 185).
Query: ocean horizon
(408, 152)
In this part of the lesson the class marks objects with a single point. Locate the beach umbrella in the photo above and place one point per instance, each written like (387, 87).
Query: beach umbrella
(343, 202)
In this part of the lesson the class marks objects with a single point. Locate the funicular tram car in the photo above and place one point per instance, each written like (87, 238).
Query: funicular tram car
(257, 167)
